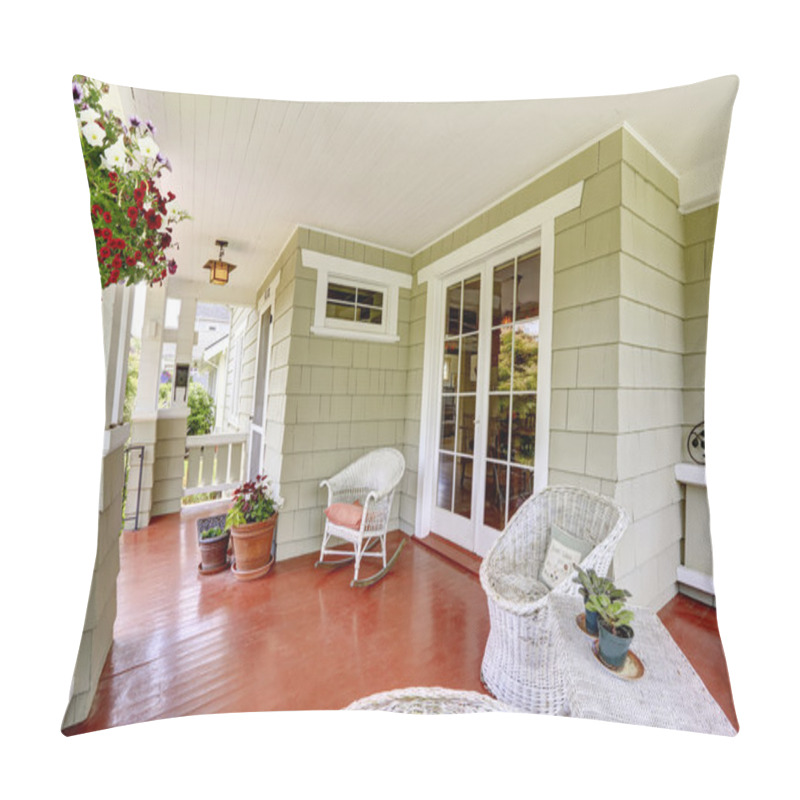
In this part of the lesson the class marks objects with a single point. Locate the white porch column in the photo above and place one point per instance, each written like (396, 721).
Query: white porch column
(184, 344)
(98, 625)
(145, 415)
(150, 361)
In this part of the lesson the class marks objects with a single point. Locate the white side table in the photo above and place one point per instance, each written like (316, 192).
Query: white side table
(670, 694)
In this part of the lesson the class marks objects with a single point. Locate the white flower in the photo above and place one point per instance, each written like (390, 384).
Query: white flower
(93, 133)
(147, 147)
(88, 115)
(114, 157)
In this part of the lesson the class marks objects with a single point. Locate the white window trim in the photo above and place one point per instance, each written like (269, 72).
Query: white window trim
(344, 270)
(516, 234)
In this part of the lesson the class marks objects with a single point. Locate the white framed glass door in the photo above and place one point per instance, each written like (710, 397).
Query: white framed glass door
(487, 400)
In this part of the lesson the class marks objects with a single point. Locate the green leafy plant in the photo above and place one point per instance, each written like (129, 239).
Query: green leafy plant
(253, 501)
(212, 533)
(133, 223)
(202, 411)
(613, 614)
(592, 583)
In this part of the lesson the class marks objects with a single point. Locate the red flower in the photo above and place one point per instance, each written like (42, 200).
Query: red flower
(116, 263)
(133, 212)
(106, 233)
(107, 216)
(130, 261)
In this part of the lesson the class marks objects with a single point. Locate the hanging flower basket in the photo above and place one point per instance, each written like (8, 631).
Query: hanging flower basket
(133, 222)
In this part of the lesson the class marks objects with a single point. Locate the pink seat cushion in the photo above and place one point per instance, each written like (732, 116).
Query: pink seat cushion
(348, 515)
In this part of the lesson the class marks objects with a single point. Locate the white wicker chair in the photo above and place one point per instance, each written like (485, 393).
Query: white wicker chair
(371, 480)
(520, 664)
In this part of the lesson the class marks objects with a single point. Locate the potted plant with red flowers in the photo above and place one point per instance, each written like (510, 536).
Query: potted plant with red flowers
(252, 520)
(133, 222)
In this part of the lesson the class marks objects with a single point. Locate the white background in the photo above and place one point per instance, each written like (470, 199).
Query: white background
(53, 384)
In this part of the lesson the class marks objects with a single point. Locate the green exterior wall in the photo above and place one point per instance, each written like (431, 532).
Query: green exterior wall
(630, 308)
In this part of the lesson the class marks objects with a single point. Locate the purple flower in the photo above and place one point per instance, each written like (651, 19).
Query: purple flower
(162, 159)
(151, 127)
(172, 266)
(77, 92)
(135, 122)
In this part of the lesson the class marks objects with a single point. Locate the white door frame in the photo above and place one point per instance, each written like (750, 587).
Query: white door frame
(537, 225)
(265, 307)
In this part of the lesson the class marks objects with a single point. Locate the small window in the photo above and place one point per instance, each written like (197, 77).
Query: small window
(355, 300)
(354, 304)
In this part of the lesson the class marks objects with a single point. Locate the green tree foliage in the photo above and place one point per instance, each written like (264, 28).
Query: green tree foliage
(526, 361)
(202, 411)
(132, 381)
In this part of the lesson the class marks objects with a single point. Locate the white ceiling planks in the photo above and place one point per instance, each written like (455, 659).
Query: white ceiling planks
(399, 175)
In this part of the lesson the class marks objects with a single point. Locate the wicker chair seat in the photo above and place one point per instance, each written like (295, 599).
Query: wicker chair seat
(520, 663)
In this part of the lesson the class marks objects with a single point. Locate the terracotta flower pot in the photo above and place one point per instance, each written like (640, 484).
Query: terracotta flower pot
(252, 546)
(213, 552)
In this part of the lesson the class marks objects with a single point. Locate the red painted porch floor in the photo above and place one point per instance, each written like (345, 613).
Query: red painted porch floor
(301, 638)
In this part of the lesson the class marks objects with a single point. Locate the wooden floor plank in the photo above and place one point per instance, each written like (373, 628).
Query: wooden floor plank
(301, 638)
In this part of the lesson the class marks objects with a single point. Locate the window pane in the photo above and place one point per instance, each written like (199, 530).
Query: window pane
(450, 369)
(453, 310)
(372, 315)
(526, 356)
(520, 489)
(444, 493)
(469, 364)
(472, 305)
(370, 297)
(448, 436)
(466, 424)
(498, 426)
(503, 294)
(523, 428)
(500, 366)
(342, 293)
(494, 506)
(528, 286)
(337, 311)
(462, 502)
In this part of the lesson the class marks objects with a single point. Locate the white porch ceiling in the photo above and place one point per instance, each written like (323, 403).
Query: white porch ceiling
(397, 175)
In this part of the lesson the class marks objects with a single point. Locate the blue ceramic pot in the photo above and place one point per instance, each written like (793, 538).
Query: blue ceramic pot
(591, 622)
(614, 648)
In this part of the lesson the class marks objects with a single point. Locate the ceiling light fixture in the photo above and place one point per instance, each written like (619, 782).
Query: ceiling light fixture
(220, 270)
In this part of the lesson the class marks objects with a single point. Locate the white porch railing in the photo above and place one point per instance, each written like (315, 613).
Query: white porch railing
(216, 462)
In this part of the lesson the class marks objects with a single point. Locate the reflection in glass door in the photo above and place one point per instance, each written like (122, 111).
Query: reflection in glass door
(489, 371)
(456, 451)
(511, 430)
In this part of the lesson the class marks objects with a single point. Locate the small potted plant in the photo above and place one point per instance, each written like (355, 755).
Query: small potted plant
(212, 540)
(252, 519)
(591, 583)
(614, 623)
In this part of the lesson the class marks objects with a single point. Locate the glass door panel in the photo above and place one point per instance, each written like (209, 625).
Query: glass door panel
(458, 398)
(513, 372)
(488, 401)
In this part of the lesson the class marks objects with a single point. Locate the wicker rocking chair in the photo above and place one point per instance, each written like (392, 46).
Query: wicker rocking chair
(362, 492)
(520, 664)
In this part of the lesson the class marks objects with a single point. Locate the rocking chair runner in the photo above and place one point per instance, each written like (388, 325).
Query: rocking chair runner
(359, 503)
